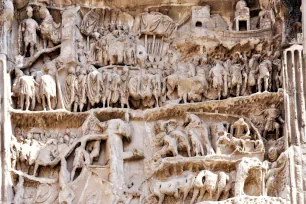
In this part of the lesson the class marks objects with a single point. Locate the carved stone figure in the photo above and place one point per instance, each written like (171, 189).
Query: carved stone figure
(47, 89)
(24, 89)
(94, 86)
(252, 77)
(265, 69)
(49, 29)
(69, 88)
(124, 92)
(273, 120)
(216, 76)
(81, 159)
(28, 39)
(240, 129)
(80, 90)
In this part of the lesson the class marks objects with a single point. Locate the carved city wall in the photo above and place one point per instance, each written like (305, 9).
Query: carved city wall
(188, 102)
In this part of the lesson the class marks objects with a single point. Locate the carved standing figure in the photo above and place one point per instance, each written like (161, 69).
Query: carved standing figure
(124, 91)
(253, 70)
(69, 88)
(81, 96)
(265, 69)
(28, 34)
(273, 120)
(24, 89)
(216, 75)
(47, 89)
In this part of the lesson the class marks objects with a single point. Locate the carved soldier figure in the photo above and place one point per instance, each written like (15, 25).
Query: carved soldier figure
(69, 88)
(94, 85)
(115, 86)
(47, 89)
(253, 70)
(124, 92)
(81, 97)
(106, 92)
(236, 77)
(24, 89)
(265, 69)
(273, 120)
(240, 129)
(27, 33)
(216, 76)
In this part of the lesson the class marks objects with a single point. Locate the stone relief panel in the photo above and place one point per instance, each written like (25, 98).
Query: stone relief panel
(162, 103)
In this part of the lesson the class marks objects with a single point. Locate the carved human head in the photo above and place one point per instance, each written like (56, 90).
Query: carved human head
(272, 154)
(29, 136)
(29, 11)
(241, 5)
(241, 120)
(43, 12)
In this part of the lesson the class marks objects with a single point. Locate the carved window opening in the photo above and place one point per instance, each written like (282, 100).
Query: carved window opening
(198, 24)
(243, 25)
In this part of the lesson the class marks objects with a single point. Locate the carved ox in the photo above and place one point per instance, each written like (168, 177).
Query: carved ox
(173, 187)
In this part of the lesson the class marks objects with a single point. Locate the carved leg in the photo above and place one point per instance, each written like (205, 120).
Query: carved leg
(44, 103)
(259, 84)
(277, 127)
(188, 150)
(35, 169)
(21, 101)
(75, 108)
(81, 107)
(266, 81)
(185, 98)
(31, 49)
(157, 103)
(27, 103)
(238, 89)
(161, 198)
(200, 198)
(49, 102)
(195, 195)
(33, 103)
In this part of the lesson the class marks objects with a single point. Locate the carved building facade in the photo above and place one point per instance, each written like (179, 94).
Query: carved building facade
(184, 102)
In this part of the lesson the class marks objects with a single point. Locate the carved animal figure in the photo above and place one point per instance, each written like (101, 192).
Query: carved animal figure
(46, 155)
(172, 187)
(186, 184)
(197, 147)
(206, 181)
(50, 31)
(182, 140)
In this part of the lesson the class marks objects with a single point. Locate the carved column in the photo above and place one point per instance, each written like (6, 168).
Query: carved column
(304, 26)
(5, 128)
(115, 153)
(69, 17)
(294, 101)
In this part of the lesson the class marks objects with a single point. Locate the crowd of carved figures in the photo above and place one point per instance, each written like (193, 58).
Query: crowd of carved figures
(109, 59)
(157, 85)
(113, 70)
